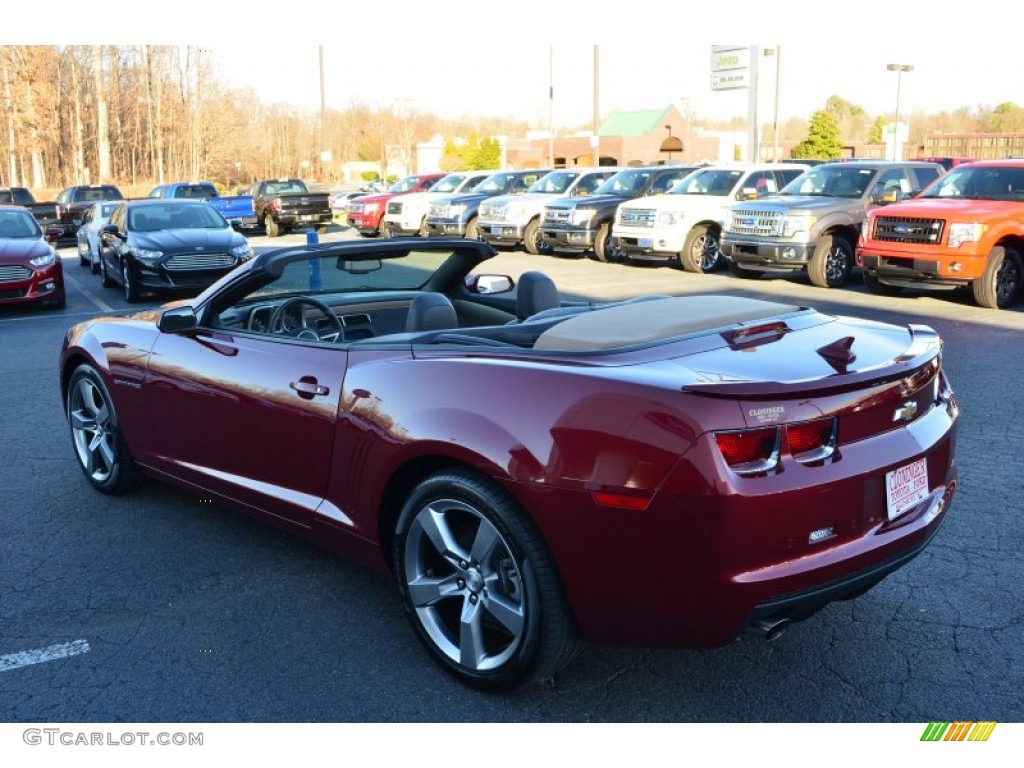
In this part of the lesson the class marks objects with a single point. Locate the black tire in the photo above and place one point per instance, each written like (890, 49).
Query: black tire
(105, 280)
(832, 262)
(702, 250)
(94, 266)
(603, 248)
(129, 284)
(271, 226)
(878, 288)
(1000, 283)
(322, 229)
(385, 229)
(102, 453)
(533, 241)
(744, 272)
(82, 261)
(424, 230)
(472, 229)
(503, 578)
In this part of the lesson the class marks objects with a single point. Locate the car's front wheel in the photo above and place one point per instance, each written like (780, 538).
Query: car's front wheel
(131, 288)
(701, 251)
(1000, 283)
(96, 434)
(478, 584)
(831, 263)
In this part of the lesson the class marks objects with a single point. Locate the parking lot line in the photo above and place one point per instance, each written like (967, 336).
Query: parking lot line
(38, 656)
(78, 287)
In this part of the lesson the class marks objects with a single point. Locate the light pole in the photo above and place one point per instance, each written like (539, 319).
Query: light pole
(899, 69)
(777, 53)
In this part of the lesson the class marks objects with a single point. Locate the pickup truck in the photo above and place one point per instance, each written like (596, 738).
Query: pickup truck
(457, 215)
(507, 220)
(73, 202)
(407, 214)
(366, 213)
(44, 213)
(579, 224)
(815, 220)
(231, 207)
(282, 204)
(966, 230)
(685, 224)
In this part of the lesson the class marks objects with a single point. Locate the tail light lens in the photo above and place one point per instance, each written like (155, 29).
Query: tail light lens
(812, 441)
(275, 204)
(750, 451)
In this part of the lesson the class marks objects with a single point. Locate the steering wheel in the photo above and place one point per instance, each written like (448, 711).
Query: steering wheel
(298, 329)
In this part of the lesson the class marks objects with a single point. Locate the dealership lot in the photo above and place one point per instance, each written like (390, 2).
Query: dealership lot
(177, 610)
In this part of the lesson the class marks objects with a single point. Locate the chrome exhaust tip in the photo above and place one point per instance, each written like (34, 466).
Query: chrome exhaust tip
(769, 629)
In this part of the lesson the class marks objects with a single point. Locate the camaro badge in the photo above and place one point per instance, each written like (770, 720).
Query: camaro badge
(905, 412)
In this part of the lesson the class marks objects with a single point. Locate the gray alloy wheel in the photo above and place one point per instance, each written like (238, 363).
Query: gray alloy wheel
(701, 251)
(96, 435)
(131, 290)
(603, 248)
(478, 585)
(533, 240)
(832, 261)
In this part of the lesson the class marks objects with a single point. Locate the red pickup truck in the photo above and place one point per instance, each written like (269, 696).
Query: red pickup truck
(365, 213)
(965, 230)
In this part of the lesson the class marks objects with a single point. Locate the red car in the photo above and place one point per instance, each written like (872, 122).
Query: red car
(31, 271)
(657, 471)
(365, 213)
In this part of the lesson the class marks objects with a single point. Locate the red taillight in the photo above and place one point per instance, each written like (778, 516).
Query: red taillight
(275, 204)
(812, 440)
(750, 451)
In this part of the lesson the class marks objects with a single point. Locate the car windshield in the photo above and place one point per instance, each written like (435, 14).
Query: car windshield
(718, 183)
(286, 187)
(149, 218)
(193, 191)
(980, 183)
(554, 183)
(91, 194)
(449, 183)
(405, 185)
(625, 183)
(18, 224)
(836, 180)
(498, 183)
(329, 274)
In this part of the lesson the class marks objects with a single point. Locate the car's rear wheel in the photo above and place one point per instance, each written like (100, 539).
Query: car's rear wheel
(1000, 283)
(878, 288)
(831, 263)
(479, 585)
(271, 226)
(701, 251)
(533, 241)
(96, 434)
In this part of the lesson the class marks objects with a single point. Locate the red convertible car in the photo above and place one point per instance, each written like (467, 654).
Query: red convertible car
(656, 471)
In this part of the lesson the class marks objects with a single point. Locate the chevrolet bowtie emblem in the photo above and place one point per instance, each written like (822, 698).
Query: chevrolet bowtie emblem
(905, 412)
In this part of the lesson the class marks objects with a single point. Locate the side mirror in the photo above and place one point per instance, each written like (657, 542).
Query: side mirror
(748, 193)
(178, 320)
(485, 285)
(54, 234)
(887, 196)
(109, 229)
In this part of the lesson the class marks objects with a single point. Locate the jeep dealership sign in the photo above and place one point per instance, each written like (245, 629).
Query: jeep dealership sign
(730, 67)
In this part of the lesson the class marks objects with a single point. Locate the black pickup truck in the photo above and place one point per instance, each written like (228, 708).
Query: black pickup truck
(282, 204)
(45, 213)
(73, 202)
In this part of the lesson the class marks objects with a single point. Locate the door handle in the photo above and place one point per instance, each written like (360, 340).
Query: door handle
(308, 388)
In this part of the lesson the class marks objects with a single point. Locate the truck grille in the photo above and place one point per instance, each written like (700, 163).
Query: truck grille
(762, 223)
(15, 272)
(492, 211)
(556, 216)
(637, 217)
(189, 261)
(898, 229)
(394, 208)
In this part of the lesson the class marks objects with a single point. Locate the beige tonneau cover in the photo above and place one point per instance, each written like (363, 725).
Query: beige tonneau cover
(632, 323)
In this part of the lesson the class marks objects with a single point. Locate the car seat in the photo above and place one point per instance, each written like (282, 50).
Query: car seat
(535, 293)
(431, 312)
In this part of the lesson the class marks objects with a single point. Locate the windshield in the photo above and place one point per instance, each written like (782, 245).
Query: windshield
(149, 218)
(405, 185)
(718, 183)
(831, 181)
(980, 183)
(91, 194)
(286, 187)
(449, 183)
(498, 183)
(18, 224)
(555, 182)
(193, 191)
(625, 183)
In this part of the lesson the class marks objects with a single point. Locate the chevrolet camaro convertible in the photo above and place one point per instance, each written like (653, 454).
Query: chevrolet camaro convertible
(659, 471)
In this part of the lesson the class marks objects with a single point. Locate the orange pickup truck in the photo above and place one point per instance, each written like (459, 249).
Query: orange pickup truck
(965, 229)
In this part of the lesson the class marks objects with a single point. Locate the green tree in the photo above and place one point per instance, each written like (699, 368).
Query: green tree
(876, 134)
(822, 138)
(471, 154)
(842, 109)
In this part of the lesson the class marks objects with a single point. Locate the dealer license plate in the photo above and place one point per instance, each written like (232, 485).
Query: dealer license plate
(496, 230)
(905, 487)
(643, 242)
(311, 217)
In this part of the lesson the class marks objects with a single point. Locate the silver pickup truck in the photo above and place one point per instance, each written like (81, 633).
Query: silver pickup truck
(814, 221)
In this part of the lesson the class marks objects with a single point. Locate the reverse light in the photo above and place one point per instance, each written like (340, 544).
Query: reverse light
(750, 451)
(965, 233)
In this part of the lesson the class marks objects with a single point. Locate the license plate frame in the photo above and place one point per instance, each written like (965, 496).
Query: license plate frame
(905, 487)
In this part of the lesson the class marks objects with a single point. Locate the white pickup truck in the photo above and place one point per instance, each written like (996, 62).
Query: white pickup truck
(512, 219)
(685, 223)
(407, 214)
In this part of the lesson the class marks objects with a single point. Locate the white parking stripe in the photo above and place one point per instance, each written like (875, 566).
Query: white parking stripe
(78, 287)
(50, 653)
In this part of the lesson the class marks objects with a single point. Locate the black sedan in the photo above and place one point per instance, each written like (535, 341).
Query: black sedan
(165, 245)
